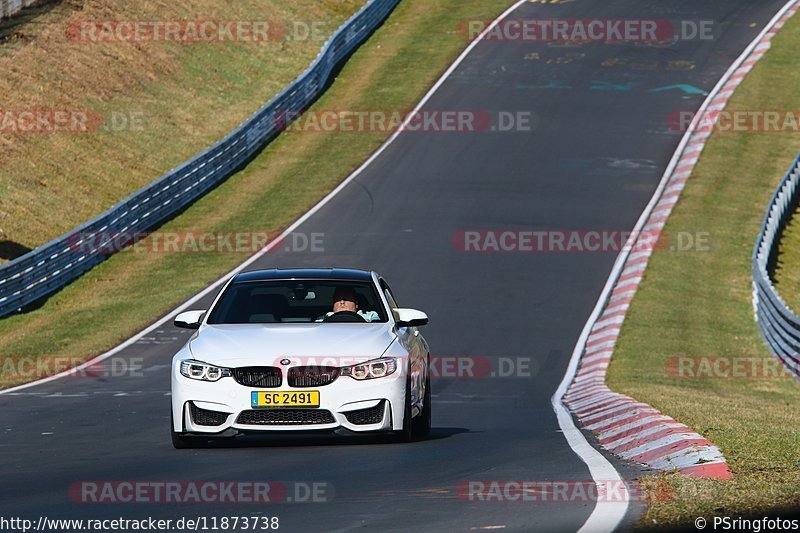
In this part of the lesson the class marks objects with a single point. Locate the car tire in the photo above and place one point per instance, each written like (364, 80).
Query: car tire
(422, 424)
(182, 442)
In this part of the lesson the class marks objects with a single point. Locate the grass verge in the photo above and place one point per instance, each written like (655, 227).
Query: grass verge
(392, 71)
(698, 304)
(150, 104)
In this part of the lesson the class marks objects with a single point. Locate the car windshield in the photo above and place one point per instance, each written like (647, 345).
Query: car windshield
(293, 301)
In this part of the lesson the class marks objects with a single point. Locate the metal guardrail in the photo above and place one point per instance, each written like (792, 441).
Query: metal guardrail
(54, 265)
(779, 325)
(12, 7)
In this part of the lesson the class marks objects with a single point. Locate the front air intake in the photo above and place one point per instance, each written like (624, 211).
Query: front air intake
(204, 417)
(285, 417)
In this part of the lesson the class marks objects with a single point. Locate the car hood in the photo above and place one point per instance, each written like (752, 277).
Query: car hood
(267, 344)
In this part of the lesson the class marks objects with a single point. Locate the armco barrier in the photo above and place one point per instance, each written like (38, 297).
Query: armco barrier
(12, 7)
(54, 265)
(779, 325)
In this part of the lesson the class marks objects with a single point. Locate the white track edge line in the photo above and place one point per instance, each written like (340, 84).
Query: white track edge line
(607, 516)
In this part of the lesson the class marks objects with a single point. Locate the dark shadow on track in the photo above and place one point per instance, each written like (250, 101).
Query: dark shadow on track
(324, 438)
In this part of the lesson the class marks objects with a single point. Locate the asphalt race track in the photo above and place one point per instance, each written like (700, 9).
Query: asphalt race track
(599, 143)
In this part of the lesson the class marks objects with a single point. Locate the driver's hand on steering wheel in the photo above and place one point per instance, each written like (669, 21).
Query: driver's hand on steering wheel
(345, 316)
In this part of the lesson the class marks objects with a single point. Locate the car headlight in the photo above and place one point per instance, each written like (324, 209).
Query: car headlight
(379, 368)
(203, 371)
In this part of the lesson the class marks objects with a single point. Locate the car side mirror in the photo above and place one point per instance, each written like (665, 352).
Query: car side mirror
(189, 319)
(410, 318)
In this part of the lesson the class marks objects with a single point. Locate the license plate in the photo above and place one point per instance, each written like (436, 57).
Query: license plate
(285, 399)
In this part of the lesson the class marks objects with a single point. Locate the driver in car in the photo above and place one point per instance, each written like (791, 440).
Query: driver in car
(344, 299)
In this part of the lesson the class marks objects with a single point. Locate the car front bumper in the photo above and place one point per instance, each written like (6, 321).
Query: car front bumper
(349, 403)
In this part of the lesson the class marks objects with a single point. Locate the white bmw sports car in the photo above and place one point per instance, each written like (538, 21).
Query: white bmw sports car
(299, 350)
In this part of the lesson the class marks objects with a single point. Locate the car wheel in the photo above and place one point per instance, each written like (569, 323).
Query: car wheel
(182, 442)
(422, 424)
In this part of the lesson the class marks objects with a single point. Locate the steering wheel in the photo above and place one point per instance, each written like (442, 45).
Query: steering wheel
(344, 316)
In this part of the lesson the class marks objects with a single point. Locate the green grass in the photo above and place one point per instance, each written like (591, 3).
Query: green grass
(184, 98)
(699, 304)
(129, 291)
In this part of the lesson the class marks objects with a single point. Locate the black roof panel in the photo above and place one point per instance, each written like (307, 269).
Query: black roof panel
(305, 273)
